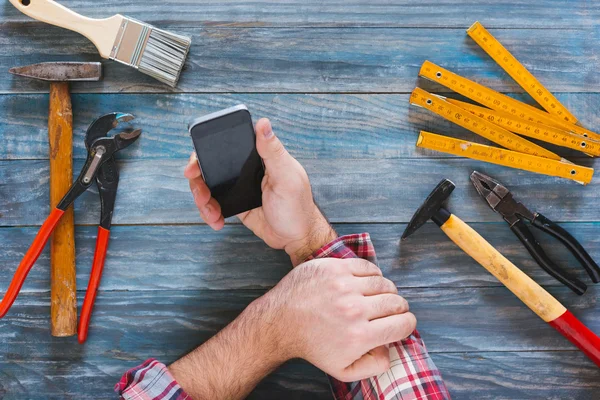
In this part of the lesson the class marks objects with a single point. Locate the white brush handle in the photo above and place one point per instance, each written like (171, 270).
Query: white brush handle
(102, 32)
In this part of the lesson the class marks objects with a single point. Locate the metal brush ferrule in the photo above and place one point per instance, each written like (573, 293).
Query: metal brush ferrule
(130, 42)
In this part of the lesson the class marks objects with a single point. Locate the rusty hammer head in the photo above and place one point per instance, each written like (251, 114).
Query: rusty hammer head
(61, 71)
(432, 208)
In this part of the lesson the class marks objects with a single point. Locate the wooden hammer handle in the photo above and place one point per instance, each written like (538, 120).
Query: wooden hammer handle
(63, 294)
(533, 295)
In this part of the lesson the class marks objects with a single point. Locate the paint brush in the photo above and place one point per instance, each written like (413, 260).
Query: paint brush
(155, 52)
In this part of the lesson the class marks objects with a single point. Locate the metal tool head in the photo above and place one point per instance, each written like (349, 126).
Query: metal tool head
(61, 71)
(101, 126)
(101, 148)
(428, 209)
(488, 188)
(499, 198)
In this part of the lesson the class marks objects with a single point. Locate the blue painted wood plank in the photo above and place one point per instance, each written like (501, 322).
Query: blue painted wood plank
(155, 192)
(548, 14)
(332, 126)
(129, 327)
(195, 257)
(506, 376)
(167, 324)
(320, 60)
(96, 376)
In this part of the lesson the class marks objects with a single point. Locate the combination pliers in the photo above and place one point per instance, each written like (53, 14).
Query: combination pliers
(100, 166)
(501, 200)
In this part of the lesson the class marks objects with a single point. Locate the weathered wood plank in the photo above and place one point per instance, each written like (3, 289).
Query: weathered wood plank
(312, 126)
(165, 324)
(194, 257)
(129, 327)
(517, 376)
(510, 376)
(549, 14)
(371, 60)
(95, 377)
(155, 192)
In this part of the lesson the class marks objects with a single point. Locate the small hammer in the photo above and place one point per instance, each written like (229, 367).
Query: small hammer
(63, 294)
(533, 295)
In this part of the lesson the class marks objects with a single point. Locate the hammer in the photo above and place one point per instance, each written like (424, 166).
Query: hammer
(63, 294)
(533, 295)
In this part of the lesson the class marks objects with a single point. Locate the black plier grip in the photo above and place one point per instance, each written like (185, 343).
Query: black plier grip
(534, 248)
(546, 225)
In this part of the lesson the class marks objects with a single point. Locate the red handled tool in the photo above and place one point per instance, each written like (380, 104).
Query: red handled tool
(101, 167)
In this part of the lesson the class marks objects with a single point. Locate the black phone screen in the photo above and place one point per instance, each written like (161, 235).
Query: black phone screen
(230, 164)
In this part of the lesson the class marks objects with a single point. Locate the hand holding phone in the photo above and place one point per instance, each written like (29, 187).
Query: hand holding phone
(288, 219)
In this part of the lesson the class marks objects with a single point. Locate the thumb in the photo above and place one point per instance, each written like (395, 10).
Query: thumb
(375, 362)
(269, 147)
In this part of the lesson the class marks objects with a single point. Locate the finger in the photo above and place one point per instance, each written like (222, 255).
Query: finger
(393, 328)
(360, 267)
(374, 285)
(384, 305)
(375, 362)
(192, 169)
(201, 192)
(211, 213)
(269, 147)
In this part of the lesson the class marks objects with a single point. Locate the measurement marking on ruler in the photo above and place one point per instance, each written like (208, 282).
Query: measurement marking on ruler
(498, 101)
(480, 126)
(518, 72)
(537, 131)
(507, 158)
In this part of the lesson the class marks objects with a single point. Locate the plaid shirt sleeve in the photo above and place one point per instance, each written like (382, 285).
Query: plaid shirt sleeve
(413, 375)
(150, 381)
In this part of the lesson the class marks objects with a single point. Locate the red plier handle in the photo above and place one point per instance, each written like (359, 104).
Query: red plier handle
(93, 284)
(29, 259)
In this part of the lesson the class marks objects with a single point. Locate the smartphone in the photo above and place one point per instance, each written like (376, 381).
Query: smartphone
(225, 144)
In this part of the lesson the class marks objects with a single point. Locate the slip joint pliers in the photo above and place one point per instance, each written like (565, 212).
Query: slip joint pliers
(501, 200)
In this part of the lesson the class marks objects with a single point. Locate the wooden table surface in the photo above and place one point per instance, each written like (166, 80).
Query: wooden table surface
(335, 78)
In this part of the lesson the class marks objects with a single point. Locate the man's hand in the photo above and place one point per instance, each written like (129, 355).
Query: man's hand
(289, 219)
(339, 315)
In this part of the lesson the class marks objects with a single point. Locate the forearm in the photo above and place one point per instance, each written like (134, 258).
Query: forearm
(233, 362)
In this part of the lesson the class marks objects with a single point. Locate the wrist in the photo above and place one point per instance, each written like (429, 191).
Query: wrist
(320, 233)
(270, 342)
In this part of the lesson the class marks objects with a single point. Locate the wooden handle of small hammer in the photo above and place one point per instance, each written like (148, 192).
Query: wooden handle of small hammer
(533, 295)
(63, 294)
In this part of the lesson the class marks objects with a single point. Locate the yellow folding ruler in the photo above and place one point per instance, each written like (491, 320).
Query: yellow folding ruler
(508, 158)
(498, 101)
(518, 72)
(478, 125)
(541, 132)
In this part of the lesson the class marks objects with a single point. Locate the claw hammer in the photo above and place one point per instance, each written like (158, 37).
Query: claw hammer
(526, 289)
(63, 293)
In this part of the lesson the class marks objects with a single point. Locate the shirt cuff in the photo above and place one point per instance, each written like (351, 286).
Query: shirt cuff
(349, 246)
(149, 381)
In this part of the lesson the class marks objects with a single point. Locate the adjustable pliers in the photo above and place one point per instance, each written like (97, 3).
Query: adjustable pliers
(501, 200)
(101, 167)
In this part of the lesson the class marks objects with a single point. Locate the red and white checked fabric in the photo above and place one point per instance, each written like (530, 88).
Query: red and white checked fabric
(150, 381)
(412, 376)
